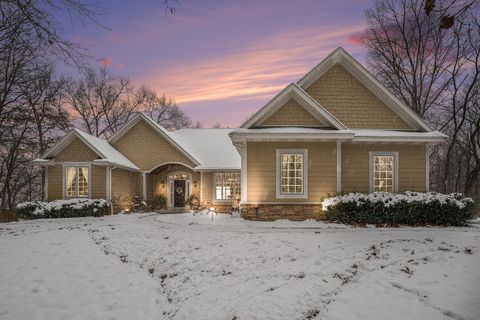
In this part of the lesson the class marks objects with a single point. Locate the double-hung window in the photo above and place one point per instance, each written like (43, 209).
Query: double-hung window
(291, 173)
(227, 186)
(77, 181)
(383, 171)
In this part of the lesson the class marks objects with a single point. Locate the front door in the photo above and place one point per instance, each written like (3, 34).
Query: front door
(179, 193)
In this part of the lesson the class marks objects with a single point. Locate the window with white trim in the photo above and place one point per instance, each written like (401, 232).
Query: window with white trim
(291, 173)
(227, 186)
(77, 179)
(383, 171)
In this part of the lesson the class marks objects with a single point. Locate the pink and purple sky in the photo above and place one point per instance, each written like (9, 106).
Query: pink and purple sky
(221, 60)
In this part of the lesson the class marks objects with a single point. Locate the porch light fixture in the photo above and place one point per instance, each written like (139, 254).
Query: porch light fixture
(195, 184)
(163, 184)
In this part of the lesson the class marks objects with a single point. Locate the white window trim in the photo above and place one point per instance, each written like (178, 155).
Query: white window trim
(304, 195)
(215, 186)
(77, 164)
(372, 154)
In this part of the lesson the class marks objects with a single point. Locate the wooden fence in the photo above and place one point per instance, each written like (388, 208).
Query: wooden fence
(8, 216)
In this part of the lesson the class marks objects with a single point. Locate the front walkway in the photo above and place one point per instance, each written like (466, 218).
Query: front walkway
(185, 266)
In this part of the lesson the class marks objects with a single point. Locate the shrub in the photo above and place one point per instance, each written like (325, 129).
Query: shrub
(160, 201)
(193, 202)
(410, 208)
(63, 208)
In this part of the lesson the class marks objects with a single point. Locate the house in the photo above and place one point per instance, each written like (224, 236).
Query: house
(337, 129)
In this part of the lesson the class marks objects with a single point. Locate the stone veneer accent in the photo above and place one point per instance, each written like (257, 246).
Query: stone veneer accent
(270, 212)
(223, 208)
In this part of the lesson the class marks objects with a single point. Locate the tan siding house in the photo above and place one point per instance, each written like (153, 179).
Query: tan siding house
(336, 130)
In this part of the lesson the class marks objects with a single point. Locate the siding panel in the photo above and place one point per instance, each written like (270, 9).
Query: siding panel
(147, 149)
(291, 114)
(352, 103)
(411, 166)
(262, 165)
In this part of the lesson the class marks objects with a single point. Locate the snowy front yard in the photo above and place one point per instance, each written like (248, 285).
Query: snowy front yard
(190, 267)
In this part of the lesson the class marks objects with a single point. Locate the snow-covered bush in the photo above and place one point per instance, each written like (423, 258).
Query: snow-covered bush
(412, 208)
(63, 208)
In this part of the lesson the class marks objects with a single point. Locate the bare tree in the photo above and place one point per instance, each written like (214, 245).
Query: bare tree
(49, 120)
(409, 52)
(99, 101)
(427, 53)
(103, 103)
(38, 16)
(27, 91)
(162, 110)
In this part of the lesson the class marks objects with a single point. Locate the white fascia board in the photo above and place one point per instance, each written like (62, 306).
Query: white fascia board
(65, 141)
(43, 162)
(59, 145)
(399, 139)
(366, 78)
(252, 120)
(163, 132)
(290, 136)
(106, 162)
(318, 108)
(124, 129)
(293, 91)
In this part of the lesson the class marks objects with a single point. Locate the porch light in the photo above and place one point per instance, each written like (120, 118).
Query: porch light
(163, 184)
(195, 184)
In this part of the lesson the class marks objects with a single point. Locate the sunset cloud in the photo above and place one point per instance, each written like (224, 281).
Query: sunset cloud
(105, 62)
(355, 39)
(257, 71)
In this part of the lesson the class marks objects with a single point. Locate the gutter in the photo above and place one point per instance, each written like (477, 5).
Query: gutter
(104, 162)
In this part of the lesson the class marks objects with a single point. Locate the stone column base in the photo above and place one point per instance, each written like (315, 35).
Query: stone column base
(271, 212)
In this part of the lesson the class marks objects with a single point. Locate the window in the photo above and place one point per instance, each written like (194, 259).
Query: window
(227, 185)
(383, 171)
(291, 173)
(77, 180)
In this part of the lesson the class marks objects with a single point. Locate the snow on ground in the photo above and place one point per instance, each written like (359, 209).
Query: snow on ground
(193, 267)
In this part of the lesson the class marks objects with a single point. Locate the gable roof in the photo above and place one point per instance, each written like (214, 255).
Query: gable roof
(158, 128)
(340, 56)
(293, 91)
(212, 147)
(100, 146)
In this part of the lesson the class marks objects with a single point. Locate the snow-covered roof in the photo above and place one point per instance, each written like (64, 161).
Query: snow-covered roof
(107, 153)
(211, 147)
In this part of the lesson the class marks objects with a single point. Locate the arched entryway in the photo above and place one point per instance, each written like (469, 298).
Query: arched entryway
(175, 181)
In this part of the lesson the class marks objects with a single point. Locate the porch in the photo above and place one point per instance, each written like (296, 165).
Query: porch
(177, 182)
